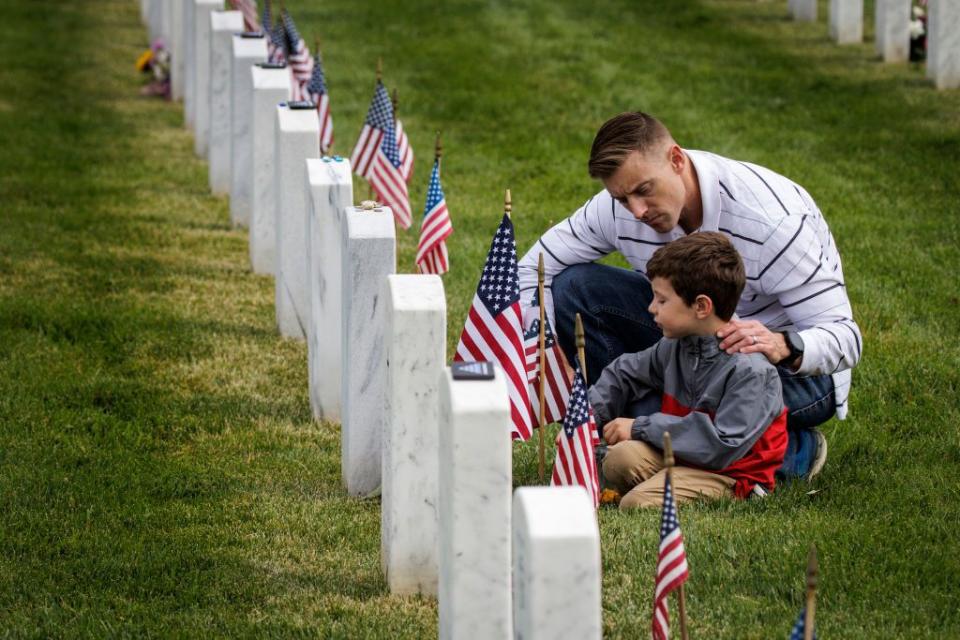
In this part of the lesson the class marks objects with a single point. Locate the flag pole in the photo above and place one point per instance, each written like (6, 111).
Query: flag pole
(682, 594)
(581, 345)
(813, 571)
(508, 205)
(438, 152)
(394, 101)
(543, 365)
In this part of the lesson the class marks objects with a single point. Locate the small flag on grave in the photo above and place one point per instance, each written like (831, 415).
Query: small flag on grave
(672, 570)
(376, 157)
(575, 462)
(316, 91)
(298, 56)
(556, 385)
(403, 143)
(493, 330)
(276, 43)
(436, 226)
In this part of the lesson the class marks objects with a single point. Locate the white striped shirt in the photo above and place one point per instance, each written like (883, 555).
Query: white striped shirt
(794, 277)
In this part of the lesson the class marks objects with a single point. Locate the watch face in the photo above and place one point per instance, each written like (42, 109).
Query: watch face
(794, 342)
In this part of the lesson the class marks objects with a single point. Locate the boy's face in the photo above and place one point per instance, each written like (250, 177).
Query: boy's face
(674, 317)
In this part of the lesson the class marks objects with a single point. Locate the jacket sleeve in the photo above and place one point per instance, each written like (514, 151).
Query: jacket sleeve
(751, 401)
(625, 379)
(587, 235)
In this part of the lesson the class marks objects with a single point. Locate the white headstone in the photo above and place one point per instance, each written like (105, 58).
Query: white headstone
(933, 23)
(155, 19)
(943, 52)
(556, 564)
(201, 73)
(846, 21)
(416, 339)
(223, 24)
(804, 10)
(331, 192)
(145, 11)
(369, 255)
(271, 86)
(475, 477)
(176, 49)
(893, 30)
(189, 62)
(247, 51)
(297, 138)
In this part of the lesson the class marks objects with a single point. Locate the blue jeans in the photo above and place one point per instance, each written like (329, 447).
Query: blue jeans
(613, 303)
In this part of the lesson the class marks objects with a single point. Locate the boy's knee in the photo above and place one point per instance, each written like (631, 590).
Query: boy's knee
(628, 463)
(641, 499)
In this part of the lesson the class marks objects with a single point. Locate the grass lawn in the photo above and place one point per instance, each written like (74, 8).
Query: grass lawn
(160, 474)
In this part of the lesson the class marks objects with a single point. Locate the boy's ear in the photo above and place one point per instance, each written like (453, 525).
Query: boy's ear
(703, 306)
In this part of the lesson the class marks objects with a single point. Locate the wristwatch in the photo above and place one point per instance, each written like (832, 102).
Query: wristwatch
(795, 344)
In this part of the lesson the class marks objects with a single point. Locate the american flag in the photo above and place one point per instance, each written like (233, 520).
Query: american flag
(298, 56)
(575, 463)
(276, 51)
(800, 626)
(317, 92)
(556, 385)
(671, 565)
(406, 152)
(493, 330)
(249, 10)
(435, 228)
(376, 157)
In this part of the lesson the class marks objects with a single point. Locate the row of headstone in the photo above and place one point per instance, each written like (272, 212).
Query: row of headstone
(436, 447)
(892, 31)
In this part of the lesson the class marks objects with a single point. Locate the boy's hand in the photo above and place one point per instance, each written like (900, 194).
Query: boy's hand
(617, 430)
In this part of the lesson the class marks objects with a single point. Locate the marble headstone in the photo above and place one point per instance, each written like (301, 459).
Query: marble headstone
(201, 73)
(223, 24)
(271, 86)
(893, 30)
(475, 477)
(297, 138)
(416, 343)
(247, 51)
(846, 21)
(369, 255)
(804, 10)
(331, 191)
(176, 49)
(556, 564)
(155, 19)
(189, 62)
(943, 51)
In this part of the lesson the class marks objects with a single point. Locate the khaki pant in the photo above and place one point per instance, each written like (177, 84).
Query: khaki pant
(635, 470)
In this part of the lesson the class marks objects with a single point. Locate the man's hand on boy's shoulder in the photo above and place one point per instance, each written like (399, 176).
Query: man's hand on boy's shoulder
(750, 336)
(617, 430)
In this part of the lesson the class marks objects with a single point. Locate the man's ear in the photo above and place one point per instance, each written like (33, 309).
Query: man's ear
(676, 157)
(703, 306)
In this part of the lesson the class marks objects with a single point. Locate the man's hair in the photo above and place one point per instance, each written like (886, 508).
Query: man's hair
(703, 263)
(619, 137)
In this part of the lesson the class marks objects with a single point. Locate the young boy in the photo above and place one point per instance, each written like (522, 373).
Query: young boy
(724, 412)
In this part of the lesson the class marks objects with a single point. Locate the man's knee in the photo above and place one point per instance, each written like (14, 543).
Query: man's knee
(641, 498)
(566, 286)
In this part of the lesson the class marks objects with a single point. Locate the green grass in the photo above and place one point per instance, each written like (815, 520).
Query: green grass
(159, 471)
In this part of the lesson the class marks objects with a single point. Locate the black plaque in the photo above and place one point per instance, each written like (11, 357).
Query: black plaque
(472, 370)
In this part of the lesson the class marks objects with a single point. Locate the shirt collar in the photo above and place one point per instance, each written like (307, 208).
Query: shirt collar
(709, 188)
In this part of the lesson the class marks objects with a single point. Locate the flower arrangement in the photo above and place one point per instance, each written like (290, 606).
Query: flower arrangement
(918, 31)
(155, 61)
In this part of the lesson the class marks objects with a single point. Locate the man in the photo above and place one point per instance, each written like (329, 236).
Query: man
(794, 309)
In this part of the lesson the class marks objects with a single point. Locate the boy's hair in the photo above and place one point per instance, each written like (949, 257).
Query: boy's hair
(703, 263)
(619, 137)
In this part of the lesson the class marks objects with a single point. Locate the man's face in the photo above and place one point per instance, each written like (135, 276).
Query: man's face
(670, 312)
(650, 186)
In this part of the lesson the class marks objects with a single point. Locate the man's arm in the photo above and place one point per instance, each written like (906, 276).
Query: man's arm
(625, 379)
(802, 269)
(751, 400)
(585, 236)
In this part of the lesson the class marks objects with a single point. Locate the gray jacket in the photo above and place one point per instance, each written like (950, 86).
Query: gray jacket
(716, 406)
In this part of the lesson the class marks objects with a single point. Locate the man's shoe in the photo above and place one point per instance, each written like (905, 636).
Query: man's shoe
(806, 454)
